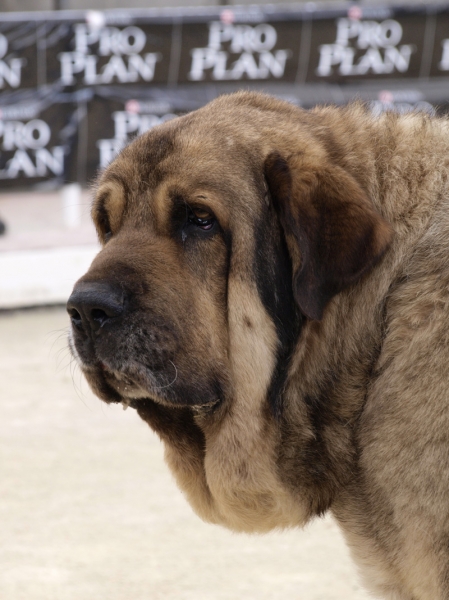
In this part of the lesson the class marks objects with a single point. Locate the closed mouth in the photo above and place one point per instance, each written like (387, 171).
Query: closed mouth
(133, 385)
(133, 382)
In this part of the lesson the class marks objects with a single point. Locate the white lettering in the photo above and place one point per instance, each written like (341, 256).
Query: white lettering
(19, 162)
(11, 73)
(90, 69)
(132, 40)
(244, 65)
(114, 68)
(347, 29)
(50, 161)
(253, 39)
(398, 58)
(443, 65)
(143, 67)
(330, 55)
(253, 43)
(11, 135)
(71, 63)
(243, 38)
(125, 123)
(108, 151)
(34, 134)
(343, 57)
(389, 33)
(269, 63)
(263, 38)
(372, 60)
(111, 40)
(84, 37)
(218, 33)
(46, 162)
(369, 33)
(202, 59)
(273, 64)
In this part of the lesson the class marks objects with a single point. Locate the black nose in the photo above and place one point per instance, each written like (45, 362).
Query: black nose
(94, 304)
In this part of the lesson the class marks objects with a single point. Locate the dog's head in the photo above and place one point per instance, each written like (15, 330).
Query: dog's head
(223, 231)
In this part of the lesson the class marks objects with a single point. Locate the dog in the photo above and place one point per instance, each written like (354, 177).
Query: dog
(272, 298)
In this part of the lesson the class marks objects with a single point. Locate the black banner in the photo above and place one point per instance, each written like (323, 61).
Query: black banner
(350, 49)
(111, 55)
(38, 138)
(20, 64)
(357, 44)
(76, 86)
(225, 51)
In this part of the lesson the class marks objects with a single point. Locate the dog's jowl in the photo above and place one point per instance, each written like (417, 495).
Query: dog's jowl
(272, 297)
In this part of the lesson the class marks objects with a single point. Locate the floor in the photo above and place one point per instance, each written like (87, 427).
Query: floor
(89, 511)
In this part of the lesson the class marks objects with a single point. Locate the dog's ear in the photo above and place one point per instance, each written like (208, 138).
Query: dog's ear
(333, 233)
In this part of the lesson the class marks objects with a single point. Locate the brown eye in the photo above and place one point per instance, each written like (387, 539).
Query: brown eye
(201, 218)
(105, 230)
(103, 224)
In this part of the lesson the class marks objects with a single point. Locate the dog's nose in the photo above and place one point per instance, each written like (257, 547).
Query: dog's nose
(94, 304)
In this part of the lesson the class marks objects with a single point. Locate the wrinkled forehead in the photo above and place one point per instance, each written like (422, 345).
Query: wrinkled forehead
(183, 160)
(140, 164)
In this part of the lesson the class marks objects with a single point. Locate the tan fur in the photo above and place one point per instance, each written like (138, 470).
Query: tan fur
(355, 209)
(240, 462)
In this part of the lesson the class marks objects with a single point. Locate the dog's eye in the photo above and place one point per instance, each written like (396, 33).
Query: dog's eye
(103, 224)
(201, 218)
(106, 232)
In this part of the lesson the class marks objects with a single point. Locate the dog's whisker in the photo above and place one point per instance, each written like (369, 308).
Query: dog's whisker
(57, 335)
(75, 370)
(163, 387)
